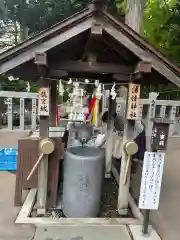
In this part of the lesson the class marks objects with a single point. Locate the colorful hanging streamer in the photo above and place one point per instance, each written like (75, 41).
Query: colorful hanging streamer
(94, 120)
(91, 107)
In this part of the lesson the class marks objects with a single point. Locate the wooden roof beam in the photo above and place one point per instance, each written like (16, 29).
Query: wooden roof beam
(97, 4)
(93, 41)
(115, 46)
(96, 67)
(142, 67)
(127, 77)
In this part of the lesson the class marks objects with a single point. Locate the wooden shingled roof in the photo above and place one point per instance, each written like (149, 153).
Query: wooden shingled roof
(79, 23)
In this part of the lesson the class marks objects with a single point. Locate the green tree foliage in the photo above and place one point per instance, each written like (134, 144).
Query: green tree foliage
(162, 29)
(7, 85)
(19, 17)
(161, 26)
(36, 15)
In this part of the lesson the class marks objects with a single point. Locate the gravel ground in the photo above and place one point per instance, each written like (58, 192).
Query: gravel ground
(109, 203)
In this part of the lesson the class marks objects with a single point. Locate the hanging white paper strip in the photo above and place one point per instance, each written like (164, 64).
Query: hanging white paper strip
(113, 92)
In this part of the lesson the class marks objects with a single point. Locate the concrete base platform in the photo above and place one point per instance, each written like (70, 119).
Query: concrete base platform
(82, 233)
(136, 232)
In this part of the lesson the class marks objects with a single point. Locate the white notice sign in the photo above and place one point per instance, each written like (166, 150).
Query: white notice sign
(151, 180)
(43, 102)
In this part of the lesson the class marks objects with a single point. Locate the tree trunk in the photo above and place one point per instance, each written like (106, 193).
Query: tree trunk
(23, 26)
(134, 14)
(24, 33)
(15, 33)
(2, 5)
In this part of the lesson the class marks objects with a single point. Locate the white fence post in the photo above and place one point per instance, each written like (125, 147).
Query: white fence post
(162, 111)
(173, 117)
(10, 114)
(150, 116)
(140, 111)
(34, 112)
(22, 114)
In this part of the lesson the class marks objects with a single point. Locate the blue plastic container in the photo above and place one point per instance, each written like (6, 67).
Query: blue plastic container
(8, 159)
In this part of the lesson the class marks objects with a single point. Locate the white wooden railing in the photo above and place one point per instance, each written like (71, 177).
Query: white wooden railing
(22, 96)
(163, 109)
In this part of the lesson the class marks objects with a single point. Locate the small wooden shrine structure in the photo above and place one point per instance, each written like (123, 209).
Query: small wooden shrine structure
(90, 44)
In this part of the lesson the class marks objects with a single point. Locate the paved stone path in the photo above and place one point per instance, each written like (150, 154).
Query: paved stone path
(82, 233)
(167, 219)
(8, 213)
(9, 139)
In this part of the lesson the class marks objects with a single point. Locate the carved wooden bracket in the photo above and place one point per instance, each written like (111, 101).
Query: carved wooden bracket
(41, 59)
(97, 29)
(143, 67)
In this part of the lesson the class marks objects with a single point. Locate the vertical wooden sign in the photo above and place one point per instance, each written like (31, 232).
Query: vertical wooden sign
(43, 102)
(133, 102)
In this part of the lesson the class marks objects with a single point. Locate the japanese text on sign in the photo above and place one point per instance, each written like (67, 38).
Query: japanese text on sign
(34, 107)
(43, 102)
(133, 101)
(159, 136)
(151, 180)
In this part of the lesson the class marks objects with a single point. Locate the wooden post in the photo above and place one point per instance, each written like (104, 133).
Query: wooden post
(109, 142)
(34, 114)
(53, 103)
(124, 189)
(156, 142)
(43, 112)
(149, 129)
(43, 167)
(127, 135)
(22, 114)
(10, 114)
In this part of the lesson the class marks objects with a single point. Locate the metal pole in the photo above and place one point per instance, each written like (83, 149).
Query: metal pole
(146, 222)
